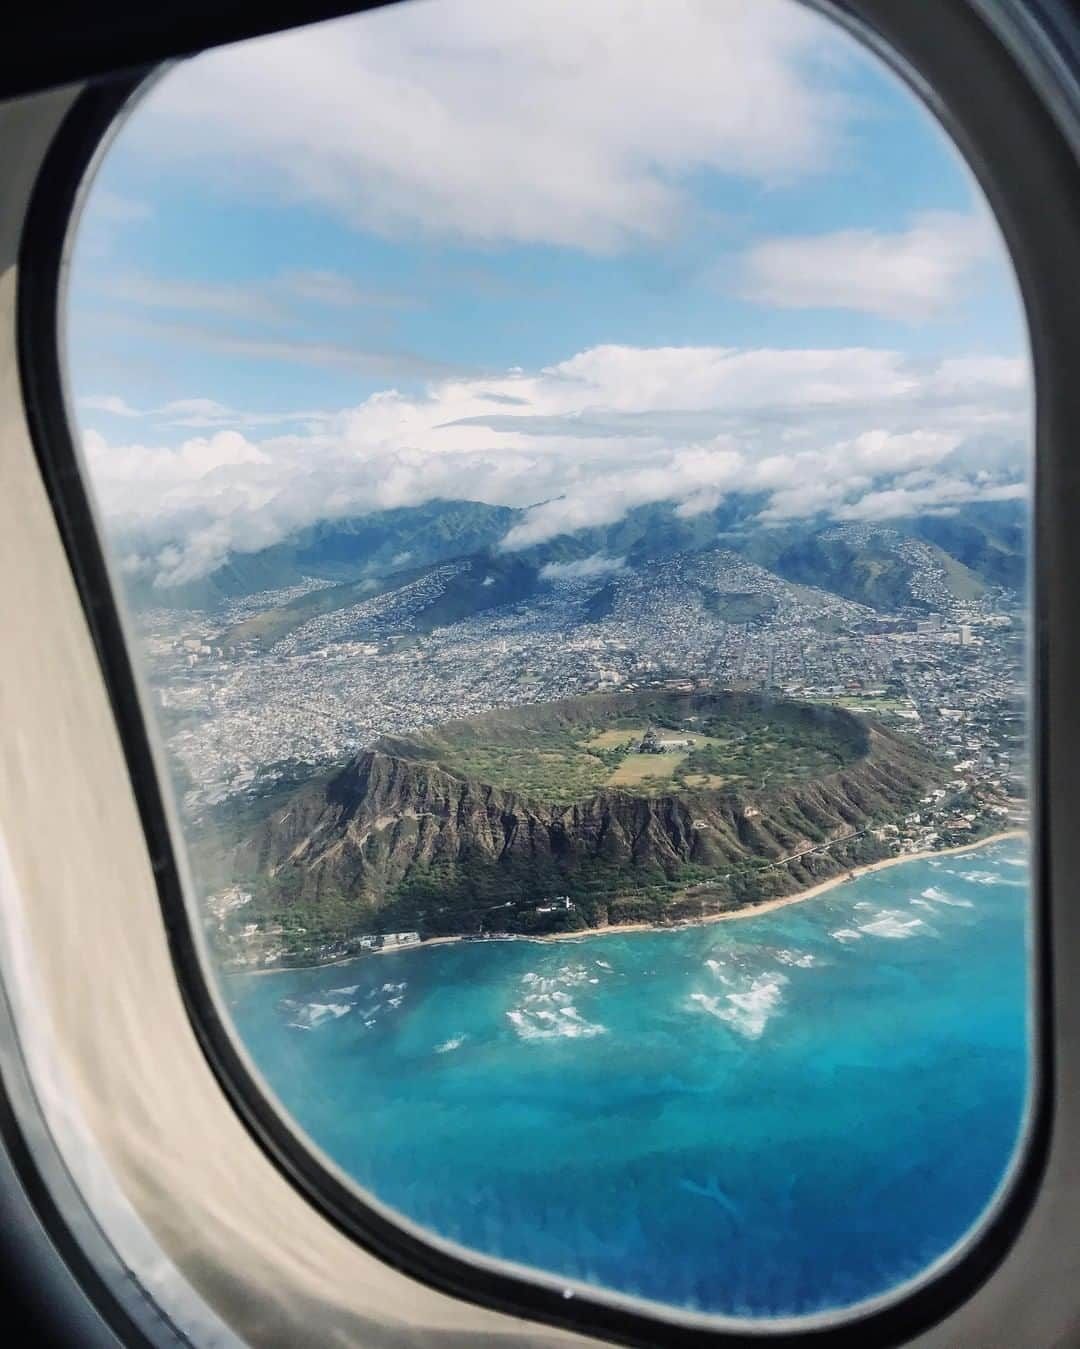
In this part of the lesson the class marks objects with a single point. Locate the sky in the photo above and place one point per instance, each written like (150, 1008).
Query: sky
(568, 257)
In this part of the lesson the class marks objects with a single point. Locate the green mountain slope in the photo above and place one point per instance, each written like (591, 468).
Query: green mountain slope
(346, 550)
(474, 585)
(978, 544)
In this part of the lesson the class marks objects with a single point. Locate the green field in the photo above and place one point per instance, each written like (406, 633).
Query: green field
(652, 771)
(619, 736)
(564, 752)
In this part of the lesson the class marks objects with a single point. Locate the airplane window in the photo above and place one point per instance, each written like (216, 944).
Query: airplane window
(567, 471)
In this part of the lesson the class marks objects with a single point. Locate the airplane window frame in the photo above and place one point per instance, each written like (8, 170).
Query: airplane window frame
(921, 47)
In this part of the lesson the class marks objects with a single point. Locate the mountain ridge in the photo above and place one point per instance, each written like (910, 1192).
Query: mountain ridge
(987, 540)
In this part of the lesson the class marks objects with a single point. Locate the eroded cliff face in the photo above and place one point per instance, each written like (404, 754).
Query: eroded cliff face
(385, 818)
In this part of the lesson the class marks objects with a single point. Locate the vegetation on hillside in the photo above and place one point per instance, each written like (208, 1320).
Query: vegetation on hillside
(741, 745)
(986, 540)
(414, 837)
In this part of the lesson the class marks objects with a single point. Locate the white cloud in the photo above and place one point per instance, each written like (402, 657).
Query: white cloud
(597, 564)
(914, 274)
(208, 413)
(911, 499)
(580, 443)
(540, 121)
(109, 403)
(208, 408)
(201, 413)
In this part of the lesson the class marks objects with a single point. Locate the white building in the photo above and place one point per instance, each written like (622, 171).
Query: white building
(399, 939)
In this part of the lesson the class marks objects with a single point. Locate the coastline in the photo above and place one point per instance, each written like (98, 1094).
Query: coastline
(782, 901)
(733, 915)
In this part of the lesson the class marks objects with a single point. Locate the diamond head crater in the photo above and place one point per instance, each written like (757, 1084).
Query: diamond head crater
(602, 810)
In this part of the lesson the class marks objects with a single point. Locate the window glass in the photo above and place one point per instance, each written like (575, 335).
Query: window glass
(567, 470)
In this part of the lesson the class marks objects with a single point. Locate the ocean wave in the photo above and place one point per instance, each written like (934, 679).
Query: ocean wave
(566, 976)
(556, 996)
(845, 934)
(747, 1012)
(393, 988)
(801, 959)
(996, 878)
(950, 902)
(345, 992)
(447, 1046)
(561, 1023)
(313, 1014)
(547, 1012)
(602, 964)
(893, 925)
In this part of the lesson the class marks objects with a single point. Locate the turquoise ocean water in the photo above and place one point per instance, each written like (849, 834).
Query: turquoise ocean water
(769, 1117)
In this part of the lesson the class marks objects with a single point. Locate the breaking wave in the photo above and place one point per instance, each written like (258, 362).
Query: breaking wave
(893, 925)
(547, 1011)
(750, 1010)
(312, 1014)
(801, 959)
(940, 897)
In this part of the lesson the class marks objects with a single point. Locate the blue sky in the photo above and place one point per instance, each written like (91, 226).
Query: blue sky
(444, 200)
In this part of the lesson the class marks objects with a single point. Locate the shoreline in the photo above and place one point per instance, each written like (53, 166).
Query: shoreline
(781, 901)
(611, 929)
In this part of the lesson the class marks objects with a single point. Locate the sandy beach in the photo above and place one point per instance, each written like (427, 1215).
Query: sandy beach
(733, 915)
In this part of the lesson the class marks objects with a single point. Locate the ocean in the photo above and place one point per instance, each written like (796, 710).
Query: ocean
(768, 1117)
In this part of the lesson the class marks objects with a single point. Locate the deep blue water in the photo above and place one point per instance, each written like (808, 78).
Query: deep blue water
(769, 1117)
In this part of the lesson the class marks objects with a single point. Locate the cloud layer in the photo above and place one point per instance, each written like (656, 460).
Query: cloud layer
(854, 433)
(584, 569)
(915, 274)
(545, 121)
